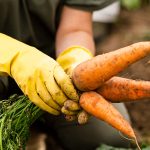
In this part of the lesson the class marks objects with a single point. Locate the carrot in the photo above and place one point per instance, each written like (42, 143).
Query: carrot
(93, 73)
(70, 117)
(71, 105)
(83, 117)
(97, 106)
(119, 89)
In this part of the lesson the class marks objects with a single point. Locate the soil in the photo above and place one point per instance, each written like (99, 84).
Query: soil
(131, 27)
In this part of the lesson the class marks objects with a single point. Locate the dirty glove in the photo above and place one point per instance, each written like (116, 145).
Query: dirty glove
(38, 76)
(69, 59)
(73, 56)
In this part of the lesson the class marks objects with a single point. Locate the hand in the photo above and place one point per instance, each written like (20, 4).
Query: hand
(38, 76)
(73, 56)
(69, 59)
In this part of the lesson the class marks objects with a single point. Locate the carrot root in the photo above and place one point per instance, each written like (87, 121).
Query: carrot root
(93, 73)
(71, 105)
(119, 89)
(96, 105)
(70, 117)
(83, 117)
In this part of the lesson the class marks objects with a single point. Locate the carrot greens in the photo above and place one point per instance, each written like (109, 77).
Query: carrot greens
(16, 116)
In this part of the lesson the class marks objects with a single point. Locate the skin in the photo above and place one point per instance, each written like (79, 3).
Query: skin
(75, 28)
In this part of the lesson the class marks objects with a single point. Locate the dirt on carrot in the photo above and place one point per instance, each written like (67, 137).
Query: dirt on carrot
(93, 73)
(119, 89)
(97, 106)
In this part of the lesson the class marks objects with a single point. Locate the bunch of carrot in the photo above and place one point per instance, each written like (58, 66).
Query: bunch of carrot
(98, 93)
(103, 87)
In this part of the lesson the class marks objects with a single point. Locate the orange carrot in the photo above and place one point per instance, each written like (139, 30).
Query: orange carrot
(96, 105)
(93, 73)
(119, 89)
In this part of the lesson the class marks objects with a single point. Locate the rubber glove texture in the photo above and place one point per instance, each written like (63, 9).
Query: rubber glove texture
(39, 76)
(69, 59)
(73, 56)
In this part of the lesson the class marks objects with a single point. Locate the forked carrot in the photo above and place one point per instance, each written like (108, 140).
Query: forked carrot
(93, 73)
(119, 89)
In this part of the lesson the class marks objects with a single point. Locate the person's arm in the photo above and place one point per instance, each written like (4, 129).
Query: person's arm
(75, 28)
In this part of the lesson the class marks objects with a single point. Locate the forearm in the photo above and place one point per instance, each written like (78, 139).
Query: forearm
(80, 38)
(75, 28)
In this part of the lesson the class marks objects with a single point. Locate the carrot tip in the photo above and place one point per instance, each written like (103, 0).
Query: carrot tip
(131, 139)
(136, 142)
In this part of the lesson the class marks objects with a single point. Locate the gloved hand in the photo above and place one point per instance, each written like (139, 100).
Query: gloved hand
(69, 59)
(39, 77)
(73, 56)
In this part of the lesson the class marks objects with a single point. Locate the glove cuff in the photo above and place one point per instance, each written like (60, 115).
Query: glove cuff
(73, 56)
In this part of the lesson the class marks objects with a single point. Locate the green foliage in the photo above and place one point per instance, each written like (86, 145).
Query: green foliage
(107, 147)
(131, 4)
(16, 116)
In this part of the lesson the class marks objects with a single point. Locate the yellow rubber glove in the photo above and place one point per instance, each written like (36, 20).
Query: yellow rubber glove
(69, 59)
(39, 77)
(73, 56)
